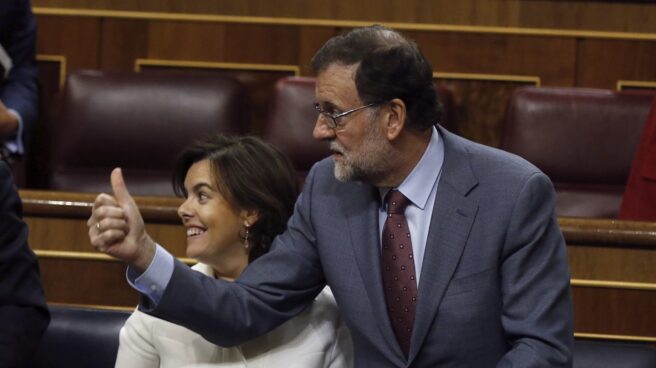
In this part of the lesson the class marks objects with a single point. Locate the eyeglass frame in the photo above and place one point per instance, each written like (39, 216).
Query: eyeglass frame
(332, 118)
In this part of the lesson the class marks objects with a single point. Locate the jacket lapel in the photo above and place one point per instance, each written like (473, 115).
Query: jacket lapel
(360, 209)
(451, 221)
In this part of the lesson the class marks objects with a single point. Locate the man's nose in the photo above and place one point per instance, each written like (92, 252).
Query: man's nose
(321, 129)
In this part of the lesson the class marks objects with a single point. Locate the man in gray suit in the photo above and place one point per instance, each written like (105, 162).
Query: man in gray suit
(440, 252)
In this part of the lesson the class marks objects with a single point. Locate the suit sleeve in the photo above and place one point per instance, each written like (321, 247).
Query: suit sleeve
(23, 312)
(537, 302)
(19, 91)
(271, 290)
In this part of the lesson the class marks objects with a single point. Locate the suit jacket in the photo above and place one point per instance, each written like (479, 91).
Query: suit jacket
(639, 200)
(494, 285)
(23, 312)
(19, 88)
(314, 339)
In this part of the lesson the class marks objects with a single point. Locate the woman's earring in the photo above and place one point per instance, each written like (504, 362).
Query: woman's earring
(246, 244)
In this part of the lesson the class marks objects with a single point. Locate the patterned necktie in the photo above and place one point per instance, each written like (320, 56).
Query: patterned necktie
(399, 279)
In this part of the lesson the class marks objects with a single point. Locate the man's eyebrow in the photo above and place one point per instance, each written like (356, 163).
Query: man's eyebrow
(328, 106)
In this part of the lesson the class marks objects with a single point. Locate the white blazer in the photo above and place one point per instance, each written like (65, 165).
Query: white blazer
(315, 338)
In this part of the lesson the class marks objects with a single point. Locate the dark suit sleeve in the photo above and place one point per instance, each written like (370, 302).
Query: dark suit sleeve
(23, 312)
(537, 301)
(271, 290)
(19, 91)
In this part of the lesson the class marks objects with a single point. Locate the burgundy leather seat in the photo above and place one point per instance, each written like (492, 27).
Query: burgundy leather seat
(583, 139)
(292, 117)
(139, 122)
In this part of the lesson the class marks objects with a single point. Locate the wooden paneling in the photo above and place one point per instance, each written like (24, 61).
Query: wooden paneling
(186, 41)
(614, 311)
(612, 263)
(83, 281)
(113, 41)
(246, 43)
(553, 59)
(76, 38)
(123, 41)
(57, 220)
(601, 63)
(557, 60)
(310, 40)
(627, 85)
(71, 234)
(586, 15)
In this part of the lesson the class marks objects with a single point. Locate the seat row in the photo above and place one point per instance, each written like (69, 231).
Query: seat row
(88, 337)
(140, 121)
(583, 139)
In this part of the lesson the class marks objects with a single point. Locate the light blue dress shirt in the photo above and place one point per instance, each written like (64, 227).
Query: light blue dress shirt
(420, 188)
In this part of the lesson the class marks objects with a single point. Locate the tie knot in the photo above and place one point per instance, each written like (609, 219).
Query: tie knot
(396, 202)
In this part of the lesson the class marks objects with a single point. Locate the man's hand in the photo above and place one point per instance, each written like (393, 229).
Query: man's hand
(117, 228)
(8, 122)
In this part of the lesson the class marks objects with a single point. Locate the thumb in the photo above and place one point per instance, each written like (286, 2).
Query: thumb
(118, 187)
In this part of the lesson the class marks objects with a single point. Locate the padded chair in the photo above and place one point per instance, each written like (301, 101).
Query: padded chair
(139, 122)
(80, 337)
(292, 118)
(583, 139)
(613, 354)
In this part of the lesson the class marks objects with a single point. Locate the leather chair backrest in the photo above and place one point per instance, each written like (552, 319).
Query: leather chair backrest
(80, 337)
(583, 139)
(292, 118)
(140, 122)
(613, 354)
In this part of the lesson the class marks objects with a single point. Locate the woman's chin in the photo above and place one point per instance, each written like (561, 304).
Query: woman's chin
(193, 252)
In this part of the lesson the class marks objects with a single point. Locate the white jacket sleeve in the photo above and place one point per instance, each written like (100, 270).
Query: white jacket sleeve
(136, 348)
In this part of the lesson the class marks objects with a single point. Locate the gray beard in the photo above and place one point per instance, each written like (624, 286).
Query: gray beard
(369, 164)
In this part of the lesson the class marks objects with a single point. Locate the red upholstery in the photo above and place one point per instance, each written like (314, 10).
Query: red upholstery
(583, 139)
(139, 122)
(291, 121)
(639, 201)
(292, 118)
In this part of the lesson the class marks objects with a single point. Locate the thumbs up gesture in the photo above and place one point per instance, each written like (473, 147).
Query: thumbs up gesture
(117, 228)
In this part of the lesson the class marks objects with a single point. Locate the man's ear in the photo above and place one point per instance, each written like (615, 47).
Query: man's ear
(395, 118)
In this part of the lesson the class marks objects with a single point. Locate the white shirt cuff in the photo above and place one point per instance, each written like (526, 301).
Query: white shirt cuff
(154, 280)
(15, 145)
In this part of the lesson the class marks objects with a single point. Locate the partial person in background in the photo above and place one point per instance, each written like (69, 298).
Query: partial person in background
(18, 76)
(24, 315)
(239, 193)
(639, 199)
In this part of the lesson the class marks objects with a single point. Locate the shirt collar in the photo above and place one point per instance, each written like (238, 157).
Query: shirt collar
(418, 185)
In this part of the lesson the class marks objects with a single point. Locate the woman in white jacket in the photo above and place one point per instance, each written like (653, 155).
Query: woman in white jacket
(239, 193)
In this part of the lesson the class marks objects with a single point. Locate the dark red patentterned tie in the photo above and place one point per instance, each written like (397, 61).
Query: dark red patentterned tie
(398, 266)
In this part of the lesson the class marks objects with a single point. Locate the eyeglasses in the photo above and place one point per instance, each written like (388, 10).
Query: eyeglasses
(332, 117)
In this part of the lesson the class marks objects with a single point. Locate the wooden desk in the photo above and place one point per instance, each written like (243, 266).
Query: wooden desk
(613, 263)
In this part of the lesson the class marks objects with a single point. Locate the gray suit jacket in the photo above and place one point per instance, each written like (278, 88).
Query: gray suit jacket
(494, 287)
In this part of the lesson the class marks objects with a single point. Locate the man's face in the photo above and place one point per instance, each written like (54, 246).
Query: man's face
(360, 148)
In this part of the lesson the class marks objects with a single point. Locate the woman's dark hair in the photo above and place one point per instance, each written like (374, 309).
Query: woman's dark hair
(250, 174)
(390, 66)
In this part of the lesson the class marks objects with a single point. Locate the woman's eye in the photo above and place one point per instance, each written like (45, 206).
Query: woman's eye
(202, 196)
